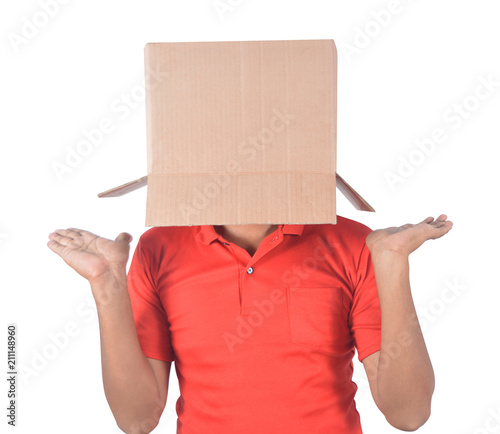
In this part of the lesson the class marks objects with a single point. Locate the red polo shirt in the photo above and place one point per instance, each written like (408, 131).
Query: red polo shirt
(264, 343)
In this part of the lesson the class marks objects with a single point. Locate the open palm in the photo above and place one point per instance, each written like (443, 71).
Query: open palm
(91, 256)
(407, 238)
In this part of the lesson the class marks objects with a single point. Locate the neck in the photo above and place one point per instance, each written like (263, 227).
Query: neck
(245, 234)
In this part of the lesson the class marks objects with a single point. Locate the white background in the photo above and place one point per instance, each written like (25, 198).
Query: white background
(69, 71)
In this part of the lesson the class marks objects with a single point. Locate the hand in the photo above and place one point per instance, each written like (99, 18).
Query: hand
(407, 238)
(93, 257)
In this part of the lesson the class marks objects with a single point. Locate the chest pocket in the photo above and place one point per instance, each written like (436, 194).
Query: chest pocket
(318, 319)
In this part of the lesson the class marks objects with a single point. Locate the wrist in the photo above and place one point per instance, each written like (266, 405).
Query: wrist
(109, 287)
(112, 276)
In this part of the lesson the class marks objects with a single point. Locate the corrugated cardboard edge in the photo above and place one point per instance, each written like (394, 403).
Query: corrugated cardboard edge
(125, 188)
(351, 195)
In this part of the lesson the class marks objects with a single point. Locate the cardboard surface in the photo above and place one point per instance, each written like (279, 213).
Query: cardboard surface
(352, 196)
(241, 133)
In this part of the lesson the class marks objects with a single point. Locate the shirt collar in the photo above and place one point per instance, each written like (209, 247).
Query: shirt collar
(206, 234)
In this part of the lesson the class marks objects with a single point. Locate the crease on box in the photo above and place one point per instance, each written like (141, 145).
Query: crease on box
(350, 194)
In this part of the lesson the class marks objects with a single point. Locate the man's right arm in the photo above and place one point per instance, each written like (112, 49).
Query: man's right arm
(135, 386)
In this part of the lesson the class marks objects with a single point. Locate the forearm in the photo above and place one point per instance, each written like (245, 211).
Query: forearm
(405, 378)
(129, 382)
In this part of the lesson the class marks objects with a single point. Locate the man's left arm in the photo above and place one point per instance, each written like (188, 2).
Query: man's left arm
(400, 375)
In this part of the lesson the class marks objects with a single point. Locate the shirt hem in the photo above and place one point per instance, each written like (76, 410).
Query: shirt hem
(368, 352)
(157, 356)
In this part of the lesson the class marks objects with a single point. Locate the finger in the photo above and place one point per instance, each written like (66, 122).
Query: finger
(442, 229)
(440, 223)
(60, 244)
(55, 247)
(60, 239)
(72, 243)
(124, 236)
(439, 226)
(447, 224)
(81, 231)
(427, 220)
(67, 233)
(76, 230)
(442, 218)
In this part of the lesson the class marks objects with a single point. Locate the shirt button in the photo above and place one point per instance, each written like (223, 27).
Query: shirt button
(250, 270)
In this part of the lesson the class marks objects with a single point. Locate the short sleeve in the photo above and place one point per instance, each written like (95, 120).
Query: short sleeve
(149, 315)
(365, 317)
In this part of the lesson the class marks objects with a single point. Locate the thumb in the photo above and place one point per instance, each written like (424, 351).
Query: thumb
(124, 236)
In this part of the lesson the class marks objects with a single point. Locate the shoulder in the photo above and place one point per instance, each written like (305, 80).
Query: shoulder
(160, 236)
(352, 228)
(345, 240)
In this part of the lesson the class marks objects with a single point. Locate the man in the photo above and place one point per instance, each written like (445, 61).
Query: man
(261, 320)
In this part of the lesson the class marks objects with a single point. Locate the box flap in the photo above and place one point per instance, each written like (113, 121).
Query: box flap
(352, 196)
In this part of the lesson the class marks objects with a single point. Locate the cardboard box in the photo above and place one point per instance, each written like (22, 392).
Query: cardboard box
(241, 132)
